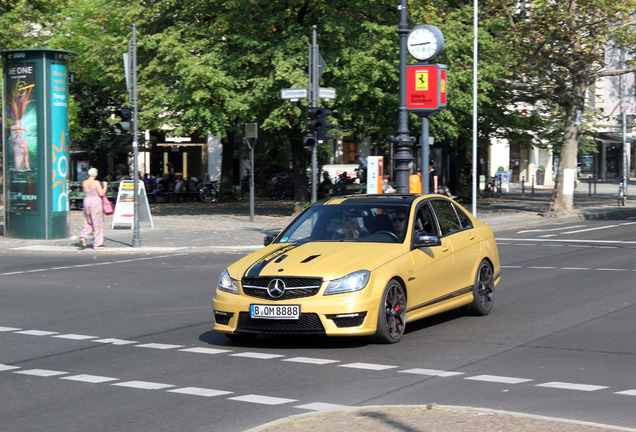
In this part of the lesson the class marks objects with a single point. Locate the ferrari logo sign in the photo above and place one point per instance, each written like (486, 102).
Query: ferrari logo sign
(421, 80)
(426, 88)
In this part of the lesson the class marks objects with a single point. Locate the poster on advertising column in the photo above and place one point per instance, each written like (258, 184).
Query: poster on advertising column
(125, 205)
(22, 137)
(59, 137)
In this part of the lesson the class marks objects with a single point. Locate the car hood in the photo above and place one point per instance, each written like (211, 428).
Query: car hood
(328, 260)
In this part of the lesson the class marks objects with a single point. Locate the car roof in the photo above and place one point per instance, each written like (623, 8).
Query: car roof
(383, 199)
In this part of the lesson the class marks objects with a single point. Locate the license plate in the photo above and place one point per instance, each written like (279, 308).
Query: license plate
(290, 312)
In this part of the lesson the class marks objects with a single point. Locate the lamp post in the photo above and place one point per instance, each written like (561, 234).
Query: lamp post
(403, 141)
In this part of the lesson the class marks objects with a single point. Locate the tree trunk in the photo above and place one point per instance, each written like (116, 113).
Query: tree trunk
(227, 161)
(563, 195)
(299, 170)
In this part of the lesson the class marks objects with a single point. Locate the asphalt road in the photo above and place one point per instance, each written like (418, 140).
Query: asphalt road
(124, 343)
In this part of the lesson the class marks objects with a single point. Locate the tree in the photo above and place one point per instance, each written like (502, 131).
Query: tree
(556, 50)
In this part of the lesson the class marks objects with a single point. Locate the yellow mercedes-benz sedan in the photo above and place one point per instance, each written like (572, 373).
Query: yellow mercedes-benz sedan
(361, 265)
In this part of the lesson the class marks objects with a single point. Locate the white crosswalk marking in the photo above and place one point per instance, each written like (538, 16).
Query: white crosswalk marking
(571, 386)
(498, 379)
(40, 372)
(94, 379)
(431, 372)
(145, 385)
(265, 400)
(310, 360)
(198, 391)
(368, 366)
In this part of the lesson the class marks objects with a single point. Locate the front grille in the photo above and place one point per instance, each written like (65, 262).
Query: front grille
(307, 324)
(294, 287)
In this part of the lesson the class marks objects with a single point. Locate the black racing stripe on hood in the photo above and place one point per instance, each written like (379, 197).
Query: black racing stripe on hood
(256, 268)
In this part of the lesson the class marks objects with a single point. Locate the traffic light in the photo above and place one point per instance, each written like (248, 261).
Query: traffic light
(125, 116)
(312, 122)
(317, 124)
(324, 125)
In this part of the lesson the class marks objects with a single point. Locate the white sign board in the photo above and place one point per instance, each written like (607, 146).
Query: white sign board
(125, 205)
(327, 93)
(374, 174)
(294, 93)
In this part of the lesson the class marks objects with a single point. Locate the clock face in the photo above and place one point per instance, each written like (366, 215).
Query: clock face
(425, 42)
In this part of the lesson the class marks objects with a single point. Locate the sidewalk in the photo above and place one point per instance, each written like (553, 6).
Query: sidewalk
(226, 226)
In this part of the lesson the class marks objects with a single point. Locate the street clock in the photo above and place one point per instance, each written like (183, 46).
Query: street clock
(425, 42)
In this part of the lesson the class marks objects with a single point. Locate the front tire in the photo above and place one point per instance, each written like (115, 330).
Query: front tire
(391, 314)
(483, 291)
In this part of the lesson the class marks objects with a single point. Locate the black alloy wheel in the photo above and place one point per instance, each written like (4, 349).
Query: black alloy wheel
(392, 314)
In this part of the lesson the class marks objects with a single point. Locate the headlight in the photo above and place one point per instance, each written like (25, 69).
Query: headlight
(352, 282)
(227, 284)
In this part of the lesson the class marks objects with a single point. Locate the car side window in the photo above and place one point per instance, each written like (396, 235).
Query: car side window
(424, 222)
(446, 216)
(463, 218)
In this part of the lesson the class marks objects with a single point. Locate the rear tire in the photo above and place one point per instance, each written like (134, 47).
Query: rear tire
(391, 314)
(483, 291)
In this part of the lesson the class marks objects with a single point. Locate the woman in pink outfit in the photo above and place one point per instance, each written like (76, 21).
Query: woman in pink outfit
(93, 210)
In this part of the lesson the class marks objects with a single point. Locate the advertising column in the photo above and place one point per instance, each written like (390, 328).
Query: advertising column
(35, 142)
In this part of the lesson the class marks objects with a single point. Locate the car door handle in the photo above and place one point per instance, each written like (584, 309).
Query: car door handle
(445, 248)
(471, 236)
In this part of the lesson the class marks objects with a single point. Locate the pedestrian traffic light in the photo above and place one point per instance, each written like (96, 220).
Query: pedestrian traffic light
(125, 115)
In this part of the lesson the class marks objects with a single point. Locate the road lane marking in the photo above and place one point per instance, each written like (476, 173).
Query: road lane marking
(498, 379)
(264, 400)
(255, 355)
(201, 350)
(311, 360)
(88, 265)
(550, 229)
(93, 379)
(571, 386)
(9, 329)
(431, 372)
(37, 332)
(114, 341)
(198, 391)
(40, 372)
(158, 346)
(74, 336)
(4, 367)
(144, 385)
(367, 366)
(568, 241)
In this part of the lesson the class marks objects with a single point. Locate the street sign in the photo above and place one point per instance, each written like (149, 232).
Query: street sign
(178, 139)
(294, 93)
(327, 93)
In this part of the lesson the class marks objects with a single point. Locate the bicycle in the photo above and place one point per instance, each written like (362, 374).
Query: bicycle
(209, 192)
(622, 196)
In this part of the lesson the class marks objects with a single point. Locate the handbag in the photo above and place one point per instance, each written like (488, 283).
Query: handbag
(108, 206)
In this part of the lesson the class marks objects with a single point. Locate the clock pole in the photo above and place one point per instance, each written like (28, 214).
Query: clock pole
(403, 141)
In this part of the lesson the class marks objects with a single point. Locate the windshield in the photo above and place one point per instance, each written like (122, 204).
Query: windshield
(355, 222)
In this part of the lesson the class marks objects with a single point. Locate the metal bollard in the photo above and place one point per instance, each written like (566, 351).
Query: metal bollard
(523, 185)
(533, 184)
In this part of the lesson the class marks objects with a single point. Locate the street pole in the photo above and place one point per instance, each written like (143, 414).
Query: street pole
(136, 240)
(314, 85)
(403, 142)
(426, 188)
(475, 47)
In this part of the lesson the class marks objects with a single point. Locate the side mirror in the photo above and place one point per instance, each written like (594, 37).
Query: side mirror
(426, 240)
(269, 238)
